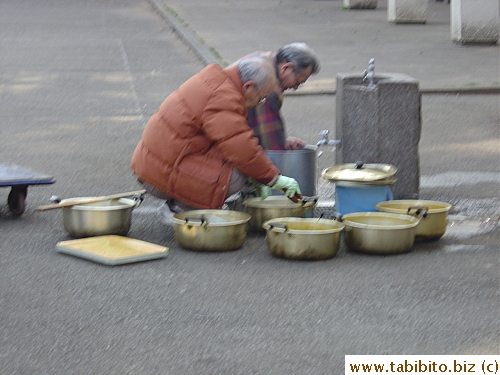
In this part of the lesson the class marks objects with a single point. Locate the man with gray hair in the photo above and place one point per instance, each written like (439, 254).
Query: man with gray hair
(197, 149)
(294, 63)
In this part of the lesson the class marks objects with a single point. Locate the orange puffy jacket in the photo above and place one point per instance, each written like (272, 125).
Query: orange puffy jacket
(199, 133)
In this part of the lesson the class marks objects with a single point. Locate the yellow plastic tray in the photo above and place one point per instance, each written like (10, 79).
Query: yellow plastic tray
(112, 250)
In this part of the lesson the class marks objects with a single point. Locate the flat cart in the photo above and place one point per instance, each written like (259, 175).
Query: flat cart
(19, 179)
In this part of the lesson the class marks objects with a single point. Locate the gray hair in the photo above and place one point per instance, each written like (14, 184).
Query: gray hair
(300, 55)
(256, 69)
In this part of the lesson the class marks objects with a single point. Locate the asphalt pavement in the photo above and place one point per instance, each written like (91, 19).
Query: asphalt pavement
(78, 82)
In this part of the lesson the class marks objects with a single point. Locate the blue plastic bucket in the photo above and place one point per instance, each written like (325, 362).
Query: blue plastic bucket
(360, 198)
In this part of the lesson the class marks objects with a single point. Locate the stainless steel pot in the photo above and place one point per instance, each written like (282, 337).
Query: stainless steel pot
(303, 238)
(272, 207)
(432, 227)
(211, 230)
(380, 232)
(300, 164)
(111, 216)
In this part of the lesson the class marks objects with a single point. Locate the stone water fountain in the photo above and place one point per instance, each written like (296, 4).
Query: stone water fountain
(378, 120)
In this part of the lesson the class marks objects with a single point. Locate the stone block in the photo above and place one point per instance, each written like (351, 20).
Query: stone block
(360, 4)
(380, 124)
(407, 11)
(475, 22)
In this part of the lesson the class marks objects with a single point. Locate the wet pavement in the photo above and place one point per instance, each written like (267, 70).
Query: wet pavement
(78, 82)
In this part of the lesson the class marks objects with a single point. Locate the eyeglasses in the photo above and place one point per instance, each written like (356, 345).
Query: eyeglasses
(298, 81)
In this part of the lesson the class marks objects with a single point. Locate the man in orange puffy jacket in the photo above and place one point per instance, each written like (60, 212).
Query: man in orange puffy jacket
(198, 149)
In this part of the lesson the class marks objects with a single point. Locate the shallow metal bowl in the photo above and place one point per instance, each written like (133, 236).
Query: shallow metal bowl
(272, 207)
(303, 238)
(379, 232)
(432, 227)
(111, 216)
(211, 230)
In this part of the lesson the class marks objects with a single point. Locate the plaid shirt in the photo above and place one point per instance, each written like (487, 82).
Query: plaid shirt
(266, 122)
(265, 119)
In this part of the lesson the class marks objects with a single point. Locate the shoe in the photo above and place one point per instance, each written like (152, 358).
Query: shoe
(234, 202)
(166, 213)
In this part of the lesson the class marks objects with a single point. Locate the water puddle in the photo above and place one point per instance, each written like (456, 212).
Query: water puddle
(450, 179)
(462, 248)
(464, 229)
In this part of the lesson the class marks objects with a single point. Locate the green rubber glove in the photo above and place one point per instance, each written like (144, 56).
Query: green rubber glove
(288, 186)
(259, 190)
(262, 191)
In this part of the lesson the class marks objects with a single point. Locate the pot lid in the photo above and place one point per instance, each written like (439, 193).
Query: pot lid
(359, 172)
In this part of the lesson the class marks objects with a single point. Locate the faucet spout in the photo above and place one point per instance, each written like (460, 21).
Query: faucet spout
(369, 74)
(329, 142)
(325, 140)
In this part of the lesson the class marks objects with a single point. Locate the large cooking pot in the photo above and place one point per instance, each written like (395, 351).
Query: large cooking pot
(303, 238)
(380, 232)
(272, 207)
(432, 227)
(300, 164)
(210, 230)
(112, 216)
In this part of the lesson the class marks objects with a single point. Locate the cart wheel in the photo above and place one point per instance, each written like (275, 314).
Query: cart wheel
(17, 200)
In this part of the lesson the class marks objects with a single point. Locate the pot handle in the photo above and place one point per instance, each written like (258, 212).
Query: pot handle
(138, 198)
(419, 211)
(278, 225)
(337, 216)
(201, 219)
(296, 198)
(305, 200)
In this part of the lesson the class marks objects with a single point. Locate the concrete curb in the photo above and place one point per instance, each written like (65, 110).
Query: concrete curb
(206, 56)
(429, 91)
(188, 36)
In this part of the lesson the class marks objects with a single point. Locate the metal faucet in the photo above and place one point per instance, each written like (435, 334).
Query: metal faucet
(369, 74)
(325, 140)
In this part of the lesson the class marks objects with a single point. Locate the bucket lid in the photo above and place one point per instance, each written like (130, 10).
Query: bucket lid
(359, 172)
